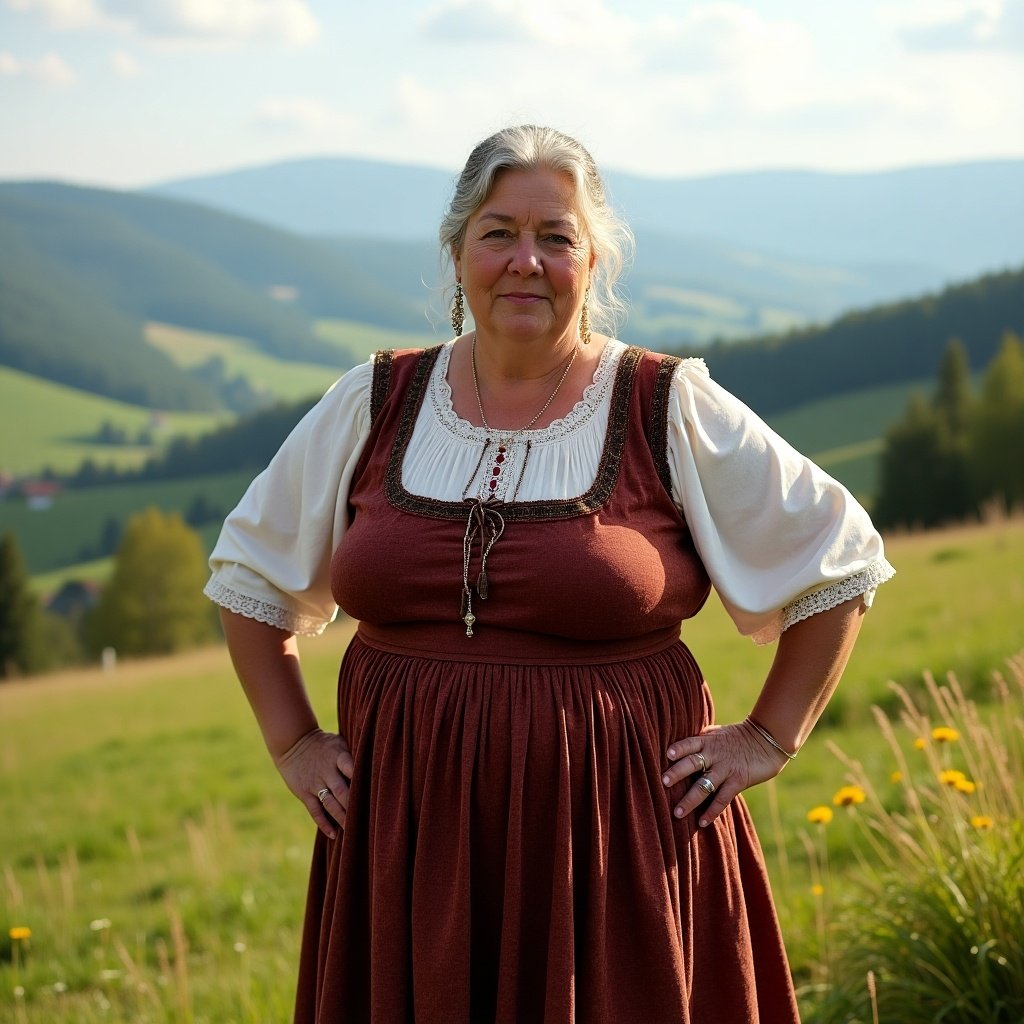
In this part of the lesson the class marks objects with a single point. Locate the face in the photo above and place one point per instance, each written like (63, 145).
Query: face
(524, 264)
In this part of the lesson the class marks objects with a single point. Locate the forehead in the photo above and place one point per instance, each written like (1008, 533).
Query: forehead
(540, 193)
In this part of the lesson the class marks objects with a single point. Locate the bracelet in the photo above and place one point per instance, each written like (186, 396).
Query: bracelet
(768, 737)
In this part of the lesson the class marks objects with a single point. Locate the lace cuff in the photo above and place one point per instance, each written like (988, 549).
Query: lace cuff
(860, 583)
(263, 611)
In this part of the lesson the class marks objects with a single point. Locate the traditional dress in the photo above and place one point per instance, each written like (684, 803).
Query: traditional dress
(510, 852)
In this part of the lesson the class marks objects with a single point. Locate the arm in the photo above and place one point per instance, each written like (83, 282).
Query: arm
(266, 660)
(808, 664)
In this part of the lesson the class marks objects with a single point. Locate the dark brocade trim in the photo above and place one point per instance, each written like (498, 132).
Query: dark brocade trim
(658, 431)
(383, 360)
(562, 508)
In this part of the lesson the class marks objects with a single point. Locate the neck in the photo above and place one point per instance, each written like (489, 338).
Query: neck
(511, 363)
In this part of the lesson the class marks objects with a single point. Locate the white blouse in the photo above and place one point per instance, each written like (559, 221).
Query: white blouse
(780, 539)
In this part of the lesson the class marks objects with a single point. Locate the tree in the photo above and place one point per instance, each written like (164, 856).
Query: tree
(154, 603)
(20, 651)
(953, 397)
(997, 427)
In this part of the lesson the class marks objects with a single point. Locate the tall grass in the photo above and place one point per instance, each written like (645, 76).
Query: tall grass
(929, 926)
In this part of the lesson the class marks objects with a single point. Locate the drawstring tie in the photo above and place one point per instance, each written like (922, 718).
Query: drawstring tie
(485, 523)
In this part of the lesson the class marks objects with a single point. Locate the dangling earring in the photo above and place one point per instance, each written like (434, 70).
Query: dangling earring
(585, 320)
(458, 310)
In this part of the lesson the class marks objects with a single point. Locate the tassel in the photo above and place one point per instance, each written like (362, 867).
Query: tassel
(481, 585)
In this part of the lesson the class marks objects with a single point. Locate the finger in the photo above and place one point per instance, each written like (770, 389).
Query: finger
(721, 801)
(319, 815)
(691, 764)
(684, 747)
(694, 797)
(335, 802)
(346, 763)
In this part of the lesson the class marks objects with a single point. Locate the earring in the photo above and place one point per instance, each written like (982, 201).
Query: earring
(458, 310)
(585, 320)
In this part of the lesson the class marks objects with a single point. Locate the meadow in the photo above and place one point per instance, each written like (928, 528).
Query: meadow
(159, 863)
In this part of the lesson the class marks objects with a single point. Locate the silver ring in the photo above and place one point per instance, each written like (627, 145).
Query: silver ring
(703, 763)
(706, 784)
(323, 794)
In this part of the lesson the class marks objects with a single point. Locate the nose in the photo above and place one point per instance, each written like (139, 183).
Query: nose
(525, 259)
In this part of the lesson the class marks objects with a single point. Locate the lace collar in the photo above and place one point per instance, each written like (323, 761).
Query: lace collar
(595, 395)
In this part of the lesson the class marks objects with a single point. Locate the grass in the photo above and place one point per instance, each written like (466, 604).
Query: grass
(161, 864)
(47, 424)
(360, 341)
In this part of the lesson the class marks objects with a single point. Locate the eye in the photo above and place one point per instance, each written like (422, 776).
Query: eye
(560, 240)
(498, 233)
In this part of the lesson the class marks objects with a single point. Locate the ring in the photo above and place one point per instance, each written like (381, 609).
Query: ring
(703, 763)
(325, 792)
(706, 784)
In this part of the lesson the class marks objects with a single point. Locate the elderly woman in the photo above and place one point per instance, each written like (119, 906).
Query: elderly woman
(529, 812)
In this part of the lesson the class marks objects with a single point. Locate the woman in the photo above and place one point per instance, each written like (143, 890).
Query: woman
(529, 812)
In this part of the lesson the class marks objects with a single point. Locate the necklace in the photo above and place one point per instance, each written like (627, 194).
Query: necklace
(485, 521)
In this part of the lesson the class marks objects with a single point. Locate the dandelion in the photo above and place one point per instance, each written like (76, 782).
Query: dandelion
(965, 786)
(951, 777)
(981, 822)
(60, 986)
(895, 777)
(100, 924)
(944, 734)
(20, 933)
(919, 743)
(818, 889)
(239, 947)
(847, 796)
(819, 815)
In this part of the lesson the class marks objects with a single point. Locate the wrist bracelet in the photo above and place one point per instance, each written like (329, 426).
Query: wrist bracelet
(769, 738)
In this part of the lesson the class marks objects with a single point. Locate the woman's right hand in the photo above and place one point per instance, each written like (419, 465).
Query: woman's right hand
(315, 762)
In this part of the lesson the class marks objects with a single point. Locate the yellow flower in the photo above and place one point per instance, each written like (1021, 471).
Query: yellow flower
(919, 743)
(20, 932)
(818, 890)
(951, 777)
(981, 822)
(849, 795)
(819, 815)
(965, 786)
(943, 734)
(896, 777)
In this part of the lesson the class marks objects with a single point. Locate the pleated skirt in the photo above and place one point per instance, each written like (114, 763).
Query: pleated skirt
(510, 854)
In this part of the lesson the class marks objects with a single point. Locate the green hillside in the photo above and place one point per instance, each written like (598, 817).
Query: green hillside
(55, 326)
(47, 424)
(884, 345)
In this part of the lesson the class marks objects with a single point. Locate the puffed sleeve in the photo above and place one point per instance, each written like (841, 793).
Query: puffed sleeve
(780, 538)
(273, 557)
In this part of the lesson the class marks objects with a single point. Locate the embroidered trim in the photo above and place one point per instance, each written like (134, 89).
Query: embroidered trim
(827, 598)
(593, 395)
(658, 431)
(263, 611)
(383, 360)
(556, 508)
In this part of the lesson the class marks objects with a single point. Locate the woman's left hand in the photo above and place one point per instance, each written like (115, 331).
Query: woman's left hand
(733, 757)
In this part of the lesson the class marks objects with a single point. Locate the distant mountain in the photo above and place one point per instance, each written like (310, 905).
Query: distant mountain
(720, 256)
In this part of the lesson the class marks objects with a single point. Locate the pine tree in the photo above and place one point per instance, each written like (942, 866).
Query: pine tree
(997, 427)
(154, 603)
(953, 397)
(19, 614)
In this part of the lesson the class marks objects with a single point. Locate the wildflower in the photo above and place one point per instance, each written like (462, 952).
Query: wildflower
(981, 822)
(919, 743)
(100, 924)
(847, 796)
(239, 947)
(20, 933)
(60, 986)
(944, 734)
(819, 815)
(951, 777)
(896, 777)
(965, 786)
(818, 889)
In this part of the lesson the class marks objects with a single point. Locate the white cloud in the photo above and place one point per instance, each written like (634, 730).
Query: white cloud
(51, 69)
(191, 21)
(304, 115)
(962, 25)
(124, 65)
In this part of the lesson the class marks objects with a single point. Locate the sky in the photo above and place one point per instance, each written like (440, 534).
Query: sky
(123, 94)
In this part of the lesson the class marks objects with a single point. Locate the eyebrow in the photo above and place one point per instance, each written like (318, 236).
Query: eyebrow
(507, 218)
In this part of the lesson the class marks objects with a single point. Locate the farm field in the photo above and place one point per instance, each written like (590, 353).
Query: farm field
(160, 863)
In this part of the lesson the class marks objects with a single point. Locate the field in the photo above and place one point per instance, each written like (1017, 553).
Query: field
(160, 864)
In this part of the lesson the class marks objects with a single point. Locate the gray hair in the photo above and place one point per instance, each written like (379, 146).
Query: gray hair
(528, 147)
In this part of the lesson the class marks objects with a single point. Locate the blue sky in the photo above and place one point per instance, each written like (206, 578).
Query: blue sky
(126, 93)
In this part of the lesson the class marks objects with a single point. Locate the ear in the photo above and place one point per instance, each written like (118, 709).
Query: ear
(457, 263)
